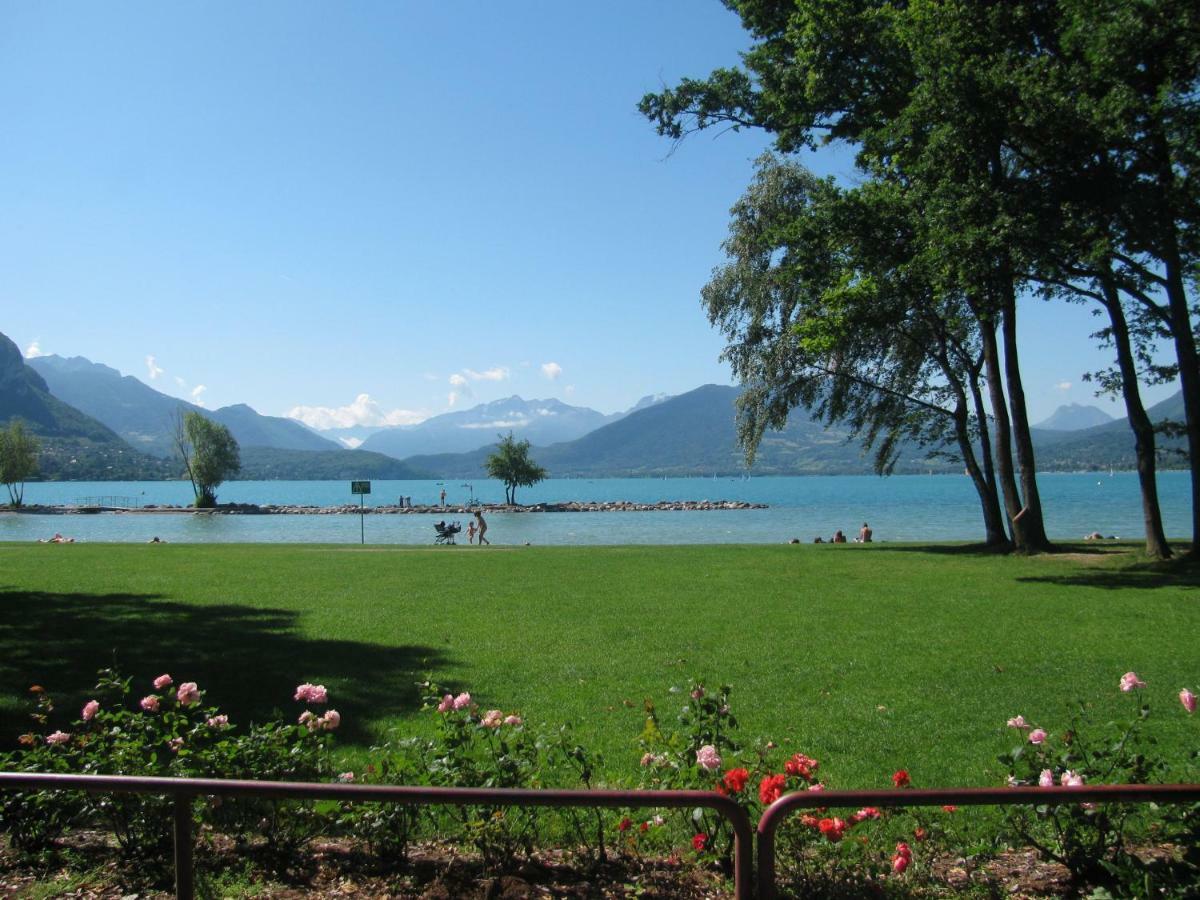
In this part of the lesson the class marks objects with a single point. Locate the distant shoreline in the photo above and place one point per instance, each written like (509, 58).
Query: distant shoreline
(269, 509)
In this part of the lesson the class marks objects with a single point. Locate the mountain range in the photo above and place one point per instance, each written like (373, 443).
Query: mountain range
(97, 424)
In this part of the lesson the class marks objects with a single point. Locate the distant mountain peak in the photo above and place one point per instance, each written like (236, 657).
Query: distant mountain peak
(1075, 417)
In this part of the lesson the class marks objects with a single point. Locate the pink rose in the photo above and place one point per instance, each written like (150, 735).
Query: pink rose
(1188, 699)
(1037, 736)
(162, 681)
(708, 758)
(649, 759)
(1018, 722)
(447, 704)
(1046, 779)
(308, 719)
(331, 720)
(512, 720)
(188, 693)
(1070, 778)
(346, 778)
(59, 737)
(462, 701)
(312, 693)
(217, 721)
(493, 718)
(89, 710)
(1129, 681)
(149, 703)
(175, 744)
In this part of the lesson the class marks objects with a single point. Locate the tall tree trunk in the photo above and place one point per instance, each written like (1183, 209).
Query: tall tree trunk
(1189, 378)
(1032, 521)
(1003, 444)
(1143, 428)
(1181, 320)
(993, 519)
(985, 440)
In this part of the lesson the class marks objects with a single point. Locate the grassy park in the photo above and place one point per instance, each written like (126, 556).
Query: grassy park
(868, 658)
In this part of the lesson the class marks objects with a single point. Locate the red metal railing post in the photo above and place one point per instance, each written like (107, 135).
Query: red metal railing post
(185, 887)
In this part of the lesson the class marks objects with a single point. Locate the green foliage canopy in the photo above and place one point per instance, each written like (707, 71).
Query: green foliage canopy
(512, 465)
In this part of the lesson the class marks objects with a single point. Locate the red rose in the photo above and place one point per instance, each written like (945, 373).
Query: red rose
(625, 824)
(698, 842)
(949, 808)
(645, 826)
(735, 780)
(832, 829)
(802, 766)
(901, 779)
(919, 834)
(770, 788)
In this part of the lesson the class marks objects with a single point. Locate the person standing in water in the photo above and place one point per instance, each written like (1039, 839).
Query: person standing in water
(479, 521)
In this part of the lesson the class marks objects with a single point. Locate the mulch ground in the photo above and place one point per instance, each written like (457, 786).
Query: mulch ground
(338, 869)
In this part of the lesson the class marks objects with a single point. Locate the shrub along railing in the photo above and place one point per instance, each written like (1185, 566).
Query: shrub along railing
(185, 790)
(778, 812)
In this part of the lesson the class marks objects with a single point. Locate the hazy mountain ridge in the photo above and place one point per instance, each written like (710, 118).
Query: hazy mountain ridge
(1074, 417)
(74, 445)
(145, 417)
(538, 421)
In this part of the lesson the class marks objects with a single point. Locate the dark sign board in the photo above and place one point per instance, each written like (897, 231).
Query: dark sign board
(360, 487)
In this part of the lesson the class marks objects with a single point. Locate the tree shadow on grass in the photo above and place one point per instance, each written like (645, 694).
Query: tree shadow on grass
(941, 549)
(1175, 573)
(248, 660)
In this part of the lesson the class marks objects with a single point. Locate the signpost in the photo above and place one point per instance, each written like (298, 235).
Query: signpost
(362, 488)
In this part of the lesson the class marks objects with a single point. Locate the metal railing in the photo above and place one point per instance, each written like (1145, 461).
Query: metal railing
(185, 790)
(108, 501)
(778, 812)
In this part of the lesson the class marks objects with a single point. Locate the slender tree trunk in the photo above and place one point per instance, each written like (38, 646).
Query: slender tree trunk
(1181, 323)
(1032, 521)
(1189, 378)
(1143, 428)
(1003, 444)
(985, 442)
(993, 519)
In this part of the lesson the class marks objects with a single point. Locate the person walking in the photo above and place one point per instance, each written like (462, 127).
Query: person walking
(470, 532)
(479, 521)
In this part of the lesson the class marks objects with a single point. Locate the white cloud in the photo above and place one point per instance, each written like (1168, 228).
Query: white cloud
(552, 370)
(153, 368)
(498, 373)
(452, 398)
(363, 411)
(350, 443)
(458, 381)
(179, 381)
(1063, 385)
(196, 392)
(33, 351)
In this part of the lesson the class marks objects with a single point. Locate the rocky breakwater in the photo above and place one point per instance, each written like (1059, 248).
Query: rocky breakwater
(251, 509)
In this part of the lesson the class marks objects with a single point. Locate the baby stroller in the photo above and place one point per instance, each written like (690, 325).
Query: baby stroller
(446, 533)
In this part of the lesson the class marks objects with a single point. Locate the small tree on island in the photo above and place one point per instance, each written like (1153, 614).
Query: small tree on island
(512, 465)
(210, 455)
(18, 460)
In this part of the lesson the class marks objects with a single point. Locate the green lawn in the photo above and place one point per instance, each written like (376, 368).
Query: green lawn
(870, 658)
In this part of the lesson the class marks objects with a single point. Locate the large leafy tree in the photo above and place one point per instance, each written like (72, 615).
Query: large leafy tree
(209, 453)
(982, 111)
(18, 460)
(512, 465)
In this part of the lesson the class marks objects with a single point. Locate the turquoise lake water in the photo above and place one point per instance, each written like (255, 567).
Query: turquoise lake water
(899, 508)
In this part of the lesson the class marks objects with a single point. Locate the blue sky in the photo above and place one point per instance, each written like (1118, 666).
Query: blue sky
(296, 204)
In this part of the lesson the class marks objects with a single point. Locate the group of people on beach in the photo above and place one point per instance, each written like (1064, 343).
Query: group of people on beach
(839, 537)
